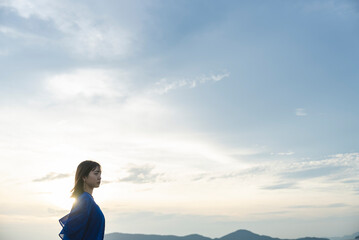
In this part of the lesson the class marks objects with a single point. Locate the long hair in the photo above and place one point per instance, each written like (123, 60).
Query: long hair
(83, 170)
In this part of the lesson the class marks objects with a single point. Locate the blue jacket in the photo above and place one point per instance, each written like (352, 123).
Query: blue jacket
(85, 221)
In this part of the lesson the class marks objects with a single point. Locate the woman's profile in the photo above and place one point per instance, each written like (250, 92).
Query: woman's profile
(85, 220)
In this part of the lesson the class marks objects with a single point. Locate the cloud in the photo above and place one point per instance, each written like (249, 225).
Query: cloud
(300, 112)
(271, 213)
(246, 151)
(142, 174)
(351, 181)
(82, 29)
(313, 172)
(333, 205)
(280, 186)
(56, 212)
(283, 153)
(52, 176)
(14, 33)
(336, 168)
(92, 112)
(164, 85)
(201, 176)
(339, 169)
(248, 172)
(106, 182)
(87, 83)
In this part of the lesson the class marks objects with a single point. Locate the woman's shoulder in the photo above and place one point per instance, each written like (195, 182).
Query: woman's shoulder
(84, 199)
(86, 195)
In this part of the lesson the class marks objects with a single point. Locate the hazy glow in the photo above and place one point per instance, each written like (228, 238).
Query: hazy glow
(56, 196)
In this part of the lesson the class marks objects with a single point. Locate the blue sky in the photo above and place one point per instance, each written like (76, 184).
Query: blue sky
(206, 116)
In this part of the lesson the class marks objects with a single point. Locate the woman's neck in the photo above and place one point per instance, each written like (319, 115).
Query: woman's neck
(88, 189)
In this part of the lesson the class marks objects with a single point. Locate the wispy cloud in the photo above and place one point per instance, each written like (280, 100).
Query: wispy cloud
(56, 212)
(314, 172)
(142, 174)
(82, 31)
(106, 182)
(301, 112)
(248, 172)
(340, 166)
(283, 153)
(87, 83)
(335, 168)
(351, 181)
(15, 33)
(164, 85)
(271, 213)
(318, 174)
(52, 176)
(200, 176)
(333, 205)
(280, 186)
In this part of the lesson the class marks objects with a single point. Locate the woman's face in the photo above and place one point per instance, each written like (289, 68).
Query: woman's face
(94, 178)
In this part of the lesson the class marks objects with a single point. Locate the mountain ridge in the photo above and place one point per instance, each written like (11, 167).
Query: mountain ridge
(347, 237)
(241, 234)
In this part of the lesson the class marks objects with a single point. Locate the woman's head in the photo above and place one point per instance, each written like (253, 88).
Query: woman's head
(88, 172)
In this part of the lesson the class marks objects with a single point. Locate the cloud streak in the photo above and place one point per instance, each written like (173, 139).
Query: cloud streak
(82, 30)
(52, 176)
(280, 186)
(300, 112)
(289, 175)
(248, 172)
(16, 34)
(88, 83)
(285, 153)
(313, 172)
(142, 174)
(333, 205)
(340, 166)
(164, 85)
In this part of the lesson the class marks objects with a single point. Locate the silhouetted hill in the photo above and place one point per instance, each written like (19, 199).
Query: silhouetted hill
(347, 237)
(127, 236)
(237, 235)
(311, 238)
(248, 235)
(245, 235)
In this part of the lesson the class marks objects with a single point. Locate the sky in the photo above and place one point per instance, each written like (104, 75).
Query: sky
(206, 116)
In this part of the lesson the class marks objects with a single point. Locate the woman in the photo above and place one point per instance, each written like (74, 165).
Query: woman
(86, 220)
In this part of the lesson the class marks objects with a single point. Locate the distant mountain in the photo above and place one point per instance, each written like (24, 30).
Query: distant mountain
(247, 235)
(237, 235)
(348, 237)
(127, 236)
